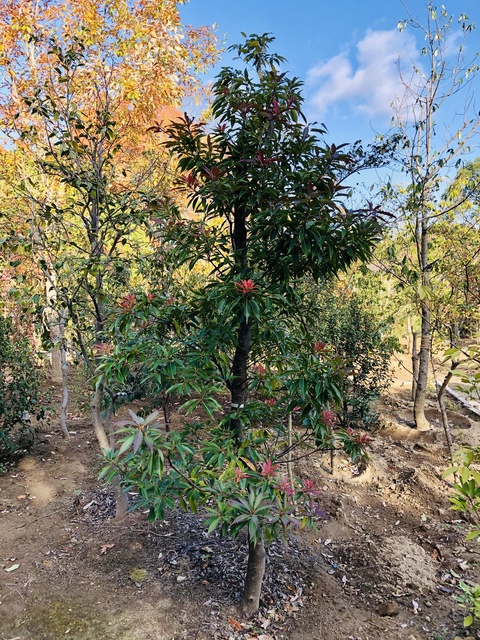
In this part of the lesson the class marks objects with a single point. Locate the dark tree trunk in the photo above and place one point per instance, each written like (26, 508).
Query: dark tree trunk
(166, 411)
(454, 339)
(250, 600)
(238, 384)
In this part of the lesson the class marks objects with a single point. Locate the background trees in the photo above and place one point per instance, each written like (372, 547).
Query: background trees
(429, 154)
(81, 84)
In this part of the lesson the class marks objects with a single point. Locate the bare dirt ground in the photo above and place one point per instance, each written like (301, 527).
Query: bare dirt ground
(387, 544)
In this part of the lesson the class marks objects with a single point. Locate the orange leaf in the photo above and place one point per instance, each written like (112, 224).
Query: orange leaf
(235, 624)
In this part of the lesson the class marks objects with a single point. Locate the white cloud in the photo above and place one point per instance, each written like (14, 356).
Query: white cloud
(372, 83)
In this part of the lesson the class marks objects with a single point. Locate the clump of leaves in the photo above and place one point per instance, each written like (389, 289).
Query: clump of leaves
(469, 599)
(347, 329)
(466, 499)
(20, 393)
(238, 486)
(467, 486)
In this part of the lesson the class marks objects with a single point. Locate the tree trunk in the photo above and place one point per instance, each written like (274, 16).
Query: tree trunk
(409, 334)
(96, 407)
(290, 446)
(422, 233)
(54, 329)
(238, 385)
(421, 423)
(414, 364)
(250, 600)
(121, 498)
(63, 353)
(443, 410)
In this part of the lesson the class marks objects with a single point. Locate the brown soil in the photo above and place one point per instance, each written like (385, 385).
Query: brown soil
(387, 542)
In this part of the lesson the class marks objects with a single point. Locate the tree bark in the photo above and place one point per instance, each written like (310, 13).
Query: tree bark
(96, 408)
(54, 329)
(290, 446)
(250, 600)
(414, 364)
(421, 422)
(63, 353)
(422, 236)
(121, 498)
(443, 410)
(238, 384)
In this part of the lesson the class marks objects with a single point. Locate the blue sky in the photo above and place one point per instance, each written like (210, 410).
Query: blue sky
(346, 51)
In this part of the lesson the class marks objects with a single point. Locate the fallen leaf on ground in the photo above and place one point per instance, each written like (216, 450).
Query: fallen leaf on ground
(105, 548)
(12, 568)
(235, 624)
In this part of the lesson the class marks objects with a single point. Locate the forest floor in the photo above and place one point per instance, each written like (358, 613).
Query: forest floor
(387, 544)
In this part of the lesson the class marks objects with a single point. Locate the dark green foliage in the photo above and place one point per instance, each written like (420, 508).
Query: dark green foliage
(20, 397)
(362, 341)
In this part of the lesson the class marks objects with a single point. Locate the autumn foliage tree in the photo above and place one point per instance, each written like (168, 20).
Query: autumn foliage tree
(80, 82)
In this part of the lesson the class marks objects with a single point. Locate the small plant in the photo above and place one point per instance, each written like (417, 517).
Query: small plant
(469, 599)
(467, 500)
(467, 486)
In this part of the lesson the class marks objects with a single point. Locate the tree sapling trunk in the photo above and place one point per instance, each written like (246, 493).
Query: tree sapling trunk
(414, 364)
(63, 408)
(96, 407)
(239, 383)
(121, 498)
(421, 422)
(250, 600)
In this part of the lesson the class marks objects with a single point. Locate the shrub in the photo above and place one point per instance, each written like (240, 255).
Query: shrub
(355, 334)
(20, 397)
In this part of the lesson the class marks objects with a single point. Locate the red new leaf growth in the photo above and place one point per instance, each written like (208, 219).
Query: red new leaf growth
(285, 486)
(239, 474)
(259, 369)
(308, 486)
(262, 160)
(102, 349)
(318, 347)
(328, 417)
(128, 302)
(190, 180)
(214, 173)
(267, 469)
(358, 438)
(245, 287)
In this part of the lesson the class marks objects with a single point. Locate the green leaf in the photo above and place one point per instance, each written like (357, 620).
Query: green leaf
(473, 534)
(468, 621)
(126, 443)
